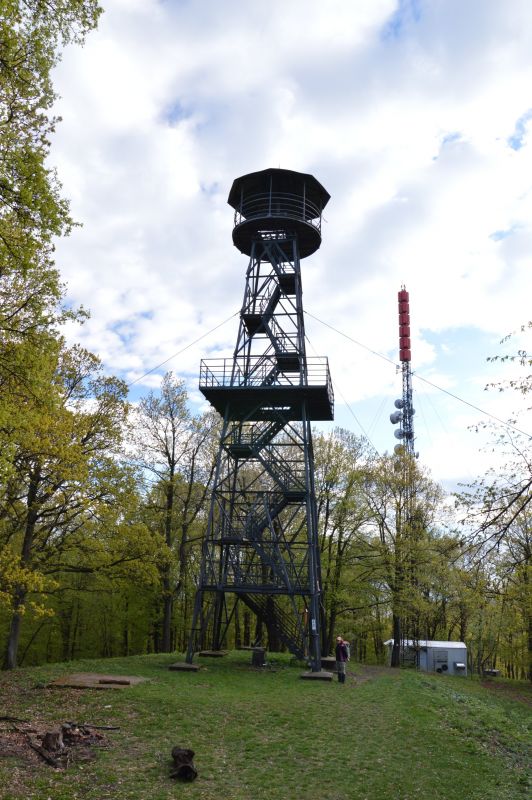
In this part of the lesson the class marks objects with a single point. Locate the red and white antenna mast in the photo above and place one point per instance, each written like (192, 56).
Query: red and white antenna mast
(405, 410)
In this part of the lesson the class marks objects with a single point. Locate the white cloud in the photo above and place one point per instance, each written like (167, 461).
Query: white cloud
(413, 115)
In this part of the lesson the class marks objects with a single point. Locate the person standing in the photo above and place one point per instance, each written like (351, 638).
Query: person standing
(342, 657)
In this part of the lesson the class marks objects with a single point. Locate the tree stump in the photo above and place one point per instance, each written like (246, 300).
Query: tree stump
(258, 657)
(53, 740)
(183, 768)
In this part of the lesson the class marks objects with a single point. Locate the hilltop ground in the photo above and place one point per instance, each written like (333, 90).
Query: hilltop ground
(384, 735)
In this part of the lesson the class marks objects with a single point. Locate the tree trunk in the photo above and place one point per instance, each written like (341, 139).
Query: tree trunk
(75, 631)
(378, 638)
(64, 617)
(463, 622)
(247, 628)
(529, 665)
(125, 630)
(528, 615)
(168, 607)
(396, 649)
(330, 627)
(168, 596)
(156, 635)
(363, 647)
(238, 633)
(274, 644)
(33, 637)
(258, 630)
(13, 638)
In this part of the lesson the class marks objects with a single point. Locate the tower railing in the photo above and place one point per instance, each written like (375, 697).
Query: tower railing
(257, 370)
(278, 204)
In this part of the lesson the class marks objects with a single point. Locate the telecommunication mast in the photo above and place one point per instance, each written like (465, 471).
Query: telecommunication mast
(406, 625)
(404, 413)
(261, 543)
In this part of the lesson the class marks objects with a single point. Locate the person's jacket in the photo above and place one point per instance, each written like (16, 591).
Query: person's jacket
(341, 652)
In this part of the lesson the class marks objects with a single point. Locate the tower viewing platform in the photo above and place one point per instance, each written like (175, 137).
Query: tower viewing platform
(274, 202)
(258, 384)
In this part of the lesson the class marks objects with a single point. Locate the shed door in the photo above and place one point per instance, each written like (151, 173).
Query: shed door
(440, 659)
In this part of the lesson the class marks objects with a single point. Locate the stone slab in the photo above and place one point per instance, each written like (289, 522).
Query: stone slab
(328, 663)
(182, 666)
(322, 675)
(95, 680)
(213, 653)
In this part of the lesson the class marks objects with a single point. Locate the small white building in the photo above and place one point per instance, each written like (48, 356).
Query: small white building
(449, 658)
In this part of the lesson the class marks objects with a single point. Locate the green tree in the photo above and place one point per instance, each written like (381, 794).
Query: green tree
(65, 476)
(174, 450)
(496, 510)
(405, 506)
(68, 507)
(32, 212)
(106, 577)
(340, 462)
(516, 580)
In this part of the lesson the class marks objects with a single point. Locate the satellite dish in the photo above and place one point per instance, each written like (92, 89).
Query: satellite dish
(398, 449)
(399, 403)
(399, 433)
(396, 417)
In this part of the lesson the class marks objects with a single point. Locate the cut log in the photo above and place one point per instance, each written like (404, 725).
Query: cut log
(184, 768)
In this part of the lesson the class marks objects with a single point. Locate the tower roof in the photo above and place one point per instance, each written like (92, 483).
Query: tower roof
(278, 180)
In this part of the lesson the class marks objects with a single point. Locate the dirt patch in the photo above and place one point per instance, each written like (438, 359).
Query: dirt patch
(34, 744)
(523, 694)
(368, 672)
(14, 744)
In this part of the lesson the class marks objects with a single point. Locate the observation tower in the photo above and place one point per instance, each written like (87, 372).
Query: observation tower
(261, 543)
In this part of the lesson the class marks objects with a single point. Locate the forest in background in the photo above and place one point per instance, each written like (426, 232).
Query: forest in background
(103, 505)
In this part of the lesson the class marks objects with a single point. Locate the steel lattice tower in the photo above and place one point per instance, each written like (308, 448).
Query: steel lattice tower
(409, 525)
(261, 542)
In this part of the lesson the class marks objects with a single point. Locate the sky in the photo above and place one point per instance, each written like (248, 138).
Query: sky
(415, 115)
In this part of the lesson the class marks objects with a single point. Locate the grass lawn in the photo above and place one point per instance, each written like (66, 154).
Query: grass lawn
(383, 735)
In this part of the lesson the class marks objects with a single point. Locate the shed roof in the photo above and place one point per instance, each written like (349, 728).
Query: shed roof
(431, 643)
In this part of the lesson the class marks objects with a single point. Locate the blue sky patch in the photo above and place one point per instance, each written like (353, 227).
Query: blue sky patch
(498, 235)
(516, 140)
(408, 12)
(450, 138)
(175, 113)
(210, 188)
